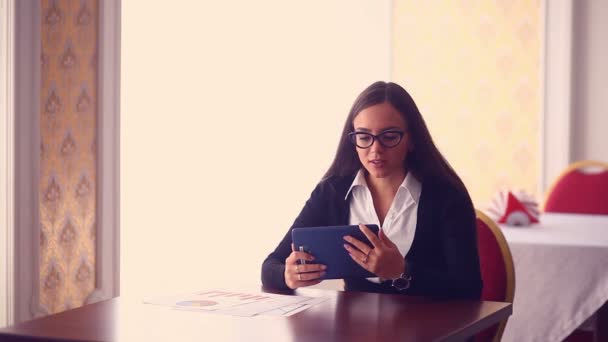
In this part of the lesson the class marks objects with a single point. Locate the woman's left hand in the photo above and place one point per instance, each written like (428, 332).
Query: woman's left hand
(383, 259)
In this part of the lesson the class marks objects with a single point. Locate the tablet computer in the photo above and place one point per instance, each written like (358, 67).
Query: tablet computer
(326, 244)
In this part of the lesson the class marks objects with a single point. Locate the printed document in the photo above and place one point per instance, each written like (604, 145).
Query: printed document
(237, 303)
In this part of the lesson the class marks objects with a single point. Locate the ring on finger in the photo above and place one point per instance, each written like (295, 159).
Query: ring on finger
(300, 276)
(367, 255)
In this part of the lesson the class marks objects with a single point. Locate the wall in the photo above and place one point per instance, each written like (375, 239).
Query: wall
(230, 115)
(474, 69)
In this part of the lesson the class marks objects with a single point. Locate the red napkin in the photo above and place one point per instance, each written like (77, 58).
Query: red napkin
(512, 210)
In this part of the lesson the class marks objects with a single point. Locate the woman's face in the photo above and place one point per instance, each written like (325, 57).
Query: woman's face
(379, 160)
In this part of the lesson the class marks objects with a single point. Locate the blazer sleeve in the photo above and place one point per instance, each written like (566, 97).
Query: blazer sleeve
(460, 277)
(313, 213)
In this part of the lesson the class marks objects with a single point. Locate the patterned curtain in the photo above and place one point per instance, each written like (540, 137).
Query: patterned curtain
(68, 152)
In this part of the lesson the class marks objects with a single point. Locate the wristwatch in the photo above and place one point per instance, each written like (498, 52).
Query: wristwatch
(403, 282)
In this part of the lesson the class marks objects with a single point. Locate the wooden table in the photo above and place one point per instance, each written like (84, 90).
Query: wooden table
(346, 316)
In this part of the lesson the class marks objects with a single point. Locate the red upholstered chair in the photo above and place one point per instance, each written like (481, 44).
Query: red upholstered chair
(582, 188)
(497, 270)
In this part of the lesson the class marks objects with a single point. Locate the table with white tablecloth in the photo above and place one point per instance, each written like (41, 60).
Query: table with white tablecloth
(561, 275)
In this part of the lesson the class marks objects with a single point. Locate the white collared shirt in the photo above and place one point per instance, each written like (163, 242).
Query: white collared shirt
(401, 218)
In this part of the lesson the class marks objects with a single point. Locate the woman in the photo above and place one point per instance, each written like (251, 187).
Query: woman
(387, 171)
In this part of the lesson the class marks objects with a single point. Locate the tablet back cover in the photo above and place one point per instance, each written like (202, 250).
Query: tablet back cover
(326, 244)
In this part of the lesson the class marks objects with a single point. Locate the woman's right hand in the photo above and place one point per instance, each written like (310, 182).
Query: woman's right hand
(297, 275)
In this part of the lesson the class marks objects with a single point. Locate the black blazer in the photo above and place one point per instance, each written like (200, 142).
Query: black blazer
(443, 259)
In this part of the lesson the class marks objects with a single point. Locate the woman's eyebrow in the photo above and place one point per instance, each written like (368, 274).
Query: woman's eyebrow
(363, 129)
(392, 128)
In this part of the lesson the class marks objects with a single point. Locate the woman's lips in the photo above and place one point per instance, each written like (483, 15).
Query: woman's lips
(377, 163)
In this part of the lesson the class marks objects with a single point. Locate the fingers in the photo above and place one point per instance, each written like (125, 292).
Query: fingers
(365, 265)
(361, 246)
(297, 255)
(304, 275)
(310, 268)
(300, 277)
(385, 238)
(370, 236)
(297, 271)
(355, 253)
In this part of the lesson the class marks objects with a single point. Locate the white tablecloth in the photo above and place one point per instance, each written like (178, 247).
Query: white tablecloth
(561, 275)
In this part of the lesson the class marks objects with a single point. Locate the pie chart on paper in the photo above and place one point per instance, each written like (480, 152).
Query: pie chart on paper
(196, 303)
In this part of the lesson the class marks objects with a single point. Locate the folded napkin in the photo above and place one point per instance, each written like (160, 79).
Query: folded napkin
(513, 209)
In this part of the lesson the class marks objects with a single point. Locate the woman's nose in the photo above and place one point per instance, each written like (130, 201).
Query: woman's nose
(376, 146)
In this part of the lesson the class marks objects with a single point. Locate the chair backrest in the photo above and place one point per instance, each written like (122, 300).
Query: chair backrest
(497, 270)
(582, 188)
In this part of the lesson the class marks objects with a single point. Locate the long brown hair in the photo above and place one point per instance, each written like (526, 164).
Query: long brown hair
(425, 161)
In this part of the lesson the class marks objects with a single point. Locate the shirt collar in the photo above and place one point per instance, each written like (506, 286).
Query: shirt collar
(413, 186)
(358, 181)
(410, 184)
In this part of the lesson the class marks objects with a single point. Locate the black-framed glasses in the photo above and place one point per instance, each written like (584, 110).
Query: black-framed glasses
(388, 139)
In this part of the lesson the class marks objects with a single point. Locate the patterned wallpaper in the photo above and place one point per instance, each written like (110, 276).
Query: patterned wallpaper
(68, 152)
(474, 69)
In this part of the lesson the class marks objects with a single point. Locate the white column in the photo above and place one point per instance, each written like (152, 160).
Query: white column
(6, 162)
(108, 154)
(556, 131)
(27, 151)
